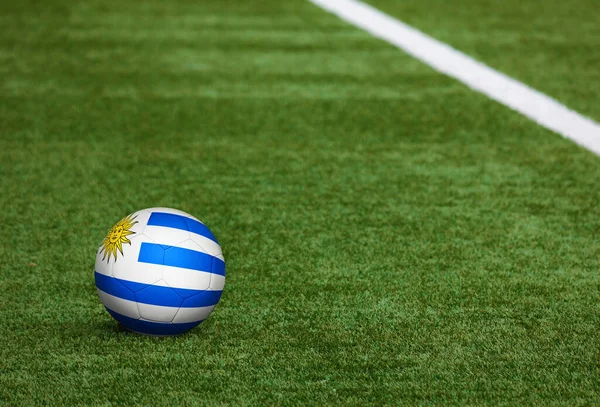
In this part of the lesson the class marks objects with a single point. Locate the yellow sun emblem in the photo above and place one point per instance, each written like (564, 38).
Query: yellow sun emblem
(117, 236)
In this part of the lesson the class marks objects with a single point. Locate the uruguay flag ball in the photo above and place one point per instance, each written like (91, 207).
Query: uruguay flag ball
(160, 272)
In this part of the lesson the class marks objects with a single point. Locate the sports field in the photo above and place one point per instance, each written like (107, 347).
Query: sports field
(391, 236)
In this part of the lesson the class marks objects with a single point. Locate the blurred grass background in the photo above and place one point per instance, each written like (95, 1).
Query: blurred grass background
(550, 45)
(391, 237)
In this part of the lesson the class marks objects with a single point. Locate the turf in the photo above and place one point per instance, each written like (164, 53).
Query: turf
(391, 237)
(550, 45)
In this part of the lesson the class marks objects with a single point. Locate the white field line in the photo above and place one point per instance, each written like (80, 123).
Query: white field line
(531, 103)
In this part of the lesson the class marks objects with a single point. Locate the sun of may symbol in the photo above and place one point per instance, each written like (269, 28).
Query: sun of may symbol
(117, 236)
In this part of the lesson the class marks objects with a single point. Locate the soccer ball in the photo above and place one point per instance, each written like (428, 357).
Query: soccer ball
(160, 272)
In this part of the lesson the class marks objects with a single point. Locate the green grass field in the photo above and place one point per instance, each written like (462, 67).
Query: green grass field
(391, 237)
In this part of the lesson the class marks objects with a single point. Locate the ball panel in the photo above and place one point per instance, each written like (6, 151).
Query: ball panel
(185, 293)
(158, 303)
(207, 246)
(198, 228)
(134, 286)
(166, 236)
(113, 286)
(159, 295)
(217, 282)
(186, 279)
(119, 305)
(169, 220)
(127, 267)
(191, 245)
(218, 266)
(186, 315)
(202, 299)
(188, 259)
(140, 277)
(157, 314)
(164, 220)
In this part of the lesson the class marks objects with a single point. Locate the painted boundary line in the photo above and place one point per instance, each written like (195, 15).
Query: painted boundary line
(531, 103)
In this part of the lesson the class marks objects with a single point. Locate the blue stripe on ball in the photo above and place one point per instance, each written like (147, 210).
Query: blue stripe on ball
(155, 294)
